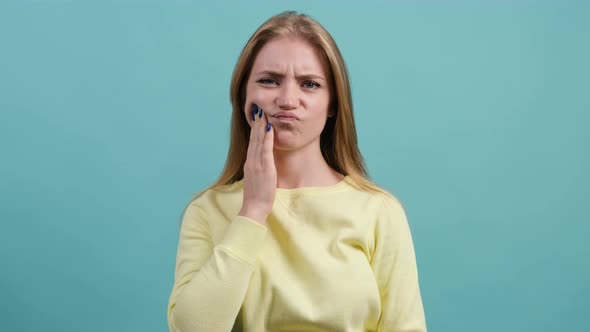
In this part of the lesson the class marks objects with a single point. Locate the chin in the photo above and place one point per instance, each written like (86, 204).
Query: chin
(290, 144)
(285, 146)
(285, 142)
(290, 141)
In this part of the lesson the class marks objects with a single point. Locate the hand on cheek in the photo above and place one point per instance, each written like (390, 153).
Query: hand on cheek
(260, 174)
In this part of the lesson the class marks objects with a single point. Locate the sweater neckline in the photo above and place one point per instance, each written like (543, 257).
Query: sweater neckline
(338, 186)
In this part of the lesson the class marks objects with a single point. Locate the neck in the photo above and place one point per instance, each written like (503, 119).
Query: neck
(305, 167)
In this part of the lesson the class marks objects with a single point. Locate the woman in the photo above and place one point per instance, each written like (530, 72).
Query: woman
(293, 236)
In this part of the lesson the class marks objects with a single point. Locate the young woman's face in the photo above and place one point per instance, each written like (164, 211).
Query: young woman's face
(288, 78)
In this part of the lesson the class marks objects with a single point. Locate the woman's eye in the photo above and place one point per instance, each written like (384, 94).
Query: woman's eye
(266, 81)
(306, 84)
(311, 84)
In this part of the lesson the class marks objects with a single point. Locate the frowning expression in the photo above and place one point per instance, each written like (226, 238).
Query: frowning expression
(289, 82)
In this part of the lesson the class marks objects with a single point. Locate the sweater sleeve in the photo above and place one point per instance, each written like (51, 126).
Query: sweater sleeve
(395, 269)
(211, 280)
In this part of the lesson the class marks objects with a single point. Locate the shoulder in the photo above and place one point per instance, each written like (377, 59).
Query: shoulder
(220, 192)
(372, 198)
(390, 203)
(384, 198)
(389, 208)
(214, 197)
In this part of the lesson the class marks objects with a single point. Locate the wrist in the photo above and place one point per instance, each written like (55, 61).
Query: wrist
(254, 215)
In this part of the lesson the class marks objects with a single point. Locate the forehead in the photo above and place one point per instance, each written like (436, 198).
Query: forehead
(288, 54)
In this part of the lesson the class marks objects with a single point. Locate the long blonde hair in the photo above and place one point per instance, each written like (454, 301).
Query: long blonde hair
(338, 140)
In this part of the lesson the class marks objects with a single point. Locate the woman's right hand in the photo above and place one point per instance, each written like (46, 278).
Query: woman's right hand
(260, 174)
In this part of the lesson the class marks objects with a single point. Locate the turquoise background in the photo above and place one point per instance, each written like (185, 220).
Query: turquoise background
(474, 114)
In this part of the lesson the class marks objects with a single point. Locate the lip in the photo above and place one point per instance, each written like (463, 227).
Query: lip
(286, 116)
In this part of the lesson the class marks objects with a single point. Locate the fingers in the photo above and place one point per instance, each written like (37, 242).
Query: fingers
(260, 145)
(260, 125)
(261, 122)
(253, 133)
(268, 142)
(260, 176)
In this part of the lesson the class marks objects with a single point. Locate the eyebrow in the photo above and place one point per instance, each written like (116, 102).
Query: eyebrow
(299, 77)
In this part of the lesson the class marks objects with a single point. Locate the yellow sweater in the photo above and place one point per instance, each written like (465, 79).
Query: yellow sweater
(329, 259)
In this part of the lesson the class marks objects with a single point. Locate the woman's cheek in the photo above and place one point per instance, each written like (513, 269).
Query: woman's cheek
(258, 97)
(263, 96)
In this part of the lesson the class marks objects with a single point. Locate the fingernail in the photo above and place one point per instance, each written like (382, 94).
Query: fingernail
(255, 108)
(260, 114)
(253, 115)
(267, 126)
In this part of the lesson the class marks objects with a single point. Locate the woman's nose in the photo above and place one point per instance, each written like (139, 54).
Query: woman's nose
(288, 96)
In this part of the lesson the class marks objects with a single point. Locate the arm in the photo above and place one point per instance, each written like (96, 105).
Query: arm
(210, 281)
(394, 265)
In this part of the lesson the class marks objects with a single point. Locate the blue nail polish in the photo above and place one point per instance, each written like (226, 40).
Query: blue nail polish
(267, 126)
(255, 108)
(260, 114)
(253, 115)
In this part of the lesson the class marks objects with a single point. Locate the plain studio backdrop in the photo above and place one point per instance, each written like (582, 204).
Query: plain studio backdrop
(474, 114)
